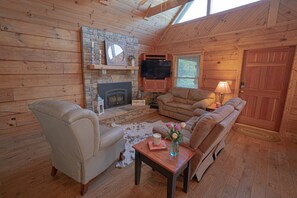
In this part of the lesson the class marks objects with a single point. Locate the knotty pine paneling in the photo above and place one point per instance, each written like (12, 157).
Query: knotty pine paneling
(12, 24)
(29, 67)
(29, 54)
(29, 41)
(247, 17)
(36, 62)
(118, 17)
(14, 81)
(223, 56)
(287, 11)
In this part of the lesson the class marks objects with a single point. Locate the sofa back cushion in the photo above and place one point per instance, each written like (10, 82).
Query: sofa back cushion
(207, 123)
(180, 94)
(218, 132)
(199, 94)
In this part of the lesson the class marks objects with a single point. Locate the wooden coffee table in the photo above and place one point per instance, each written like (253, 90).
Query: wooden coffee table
(170, 167)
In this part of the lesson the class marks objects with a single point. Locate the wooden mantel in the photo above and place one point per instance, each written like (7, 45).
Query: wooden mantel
(111, 67)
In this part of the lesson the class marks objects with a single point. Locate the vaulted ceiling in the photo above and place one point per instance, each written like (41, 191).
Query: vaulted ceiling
(250, 17)
(120, 16)
(129, 17)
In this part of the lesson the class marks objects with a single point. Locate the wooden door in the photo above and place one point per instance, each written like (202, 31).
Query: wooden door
(264, 83)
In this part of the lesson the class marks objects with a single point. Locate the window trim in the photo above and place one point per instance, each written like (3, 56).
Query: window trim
(176, 56)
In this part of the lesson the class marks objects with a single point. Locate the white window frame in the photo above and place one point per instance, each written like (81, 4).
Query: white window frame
(175, 58)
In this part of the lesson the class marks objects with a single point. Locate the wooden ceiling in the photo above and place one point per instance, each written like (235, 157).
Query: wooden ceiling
(119, 16)
(128, 17)
(249, 17)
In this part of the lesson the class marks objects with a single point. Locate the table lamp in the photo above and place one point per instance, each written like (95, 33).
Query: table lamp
(222, 88)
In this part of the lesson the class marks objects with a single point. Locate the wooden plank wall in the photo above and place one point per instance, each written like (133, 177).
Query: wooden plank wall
(40, 57)
(223, 56)
(36, 65)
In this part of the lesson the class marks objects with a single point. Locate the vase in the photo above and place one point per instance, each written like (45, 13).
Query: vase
(174, 149)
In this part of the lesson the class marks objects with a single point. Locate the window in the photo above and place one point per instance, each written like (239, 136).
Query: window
(192, 10)
(220, 6)
(199, 8)
(187, 71)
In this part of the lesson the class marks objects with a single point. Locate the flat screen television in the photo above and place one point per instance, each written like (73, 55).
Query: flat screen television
(155, 69)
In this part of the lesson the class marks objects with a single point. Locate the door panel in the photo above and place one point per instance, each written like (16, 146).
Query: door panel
(264, 83)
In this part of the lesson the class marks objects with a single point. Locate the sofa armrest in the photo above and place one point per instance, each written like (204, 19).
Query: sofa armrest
(202, 104)
(165, 98)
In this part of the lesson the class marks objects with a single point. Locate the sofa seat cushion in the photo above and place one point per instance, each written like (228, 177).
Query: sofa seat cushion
(109, 136)
(180, 100)
(207, 123)
(178, 108)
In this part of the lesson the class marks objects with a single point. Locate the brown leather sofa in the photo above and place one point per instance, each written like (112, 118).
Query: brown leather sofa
(181, 103)
(206, 134)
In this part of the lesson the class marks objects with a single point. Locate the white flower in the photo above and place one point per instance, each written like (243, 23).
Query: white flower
(182, 125)
(174, 136)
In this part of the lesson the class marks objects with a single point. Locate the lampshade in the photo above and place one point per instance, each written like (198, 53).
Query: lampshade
(223, 88)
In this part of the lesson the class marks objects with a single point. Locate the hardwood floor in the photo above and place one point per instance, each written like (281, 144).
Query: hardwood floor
(247, 167)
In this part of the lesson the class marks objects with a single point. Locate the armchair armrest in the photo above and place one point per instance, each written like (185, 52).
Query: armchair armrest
(165, 98)
(109, 136)
(202, 104)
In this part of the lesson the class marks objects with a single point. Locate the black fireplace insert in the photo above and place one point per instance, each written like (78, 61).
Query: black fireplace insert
(115, 94)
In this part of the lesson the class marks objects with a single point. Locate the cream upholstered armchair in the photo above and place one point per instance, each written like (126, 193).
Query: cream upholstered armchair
(80, 147)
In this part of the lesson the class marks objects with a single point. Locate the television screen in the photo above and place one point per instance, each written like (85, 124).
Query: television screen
(155, 69)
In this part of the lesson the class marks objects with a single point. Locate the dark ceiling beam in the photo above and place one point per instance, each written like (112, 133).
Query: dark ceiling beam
(167, 5)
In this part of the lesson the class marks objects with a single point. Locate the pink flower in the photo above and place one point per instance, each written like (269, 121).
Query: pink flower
(177, 127)
(169, 125)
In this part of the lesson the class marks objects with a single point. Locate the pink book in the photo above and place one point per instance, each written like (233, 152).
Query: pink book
(153, 147)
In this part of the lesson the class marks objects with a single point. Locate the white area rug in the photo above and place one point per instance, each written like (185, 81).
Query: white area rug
(134, 133)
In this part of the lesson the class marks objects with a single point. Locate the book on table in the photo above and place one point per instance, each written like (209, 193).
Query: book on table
(153, 147)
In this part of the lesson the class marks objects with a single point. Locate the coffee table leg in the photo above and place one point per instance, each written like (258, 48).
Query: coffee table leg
(187, 177)
(137, 167)
(171, 186)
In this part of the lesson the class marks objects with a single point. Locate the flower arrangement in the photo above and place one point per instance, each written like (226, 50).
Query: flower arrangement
(174, 132)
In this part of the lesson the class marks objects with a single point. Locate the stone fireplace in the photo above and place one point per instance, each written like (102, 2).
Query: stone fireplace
(115, 94)
(93, 78)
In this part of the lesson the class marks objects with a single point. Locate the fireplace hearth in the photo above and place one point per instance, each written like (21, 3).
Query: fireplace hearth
(115, 94)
